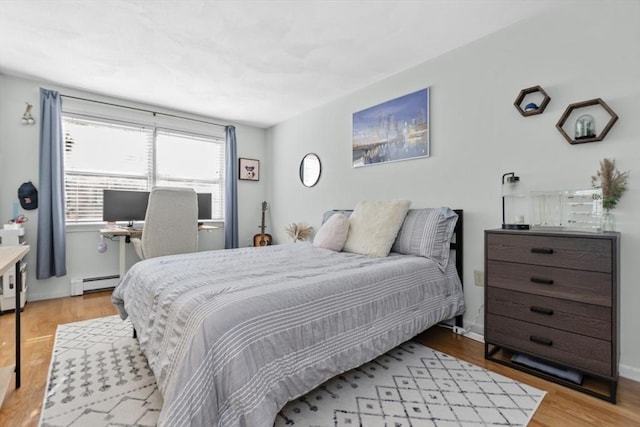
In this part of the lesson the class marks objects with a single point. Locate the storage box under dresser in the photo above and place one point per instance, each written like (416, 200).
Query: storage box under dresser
(553, 296)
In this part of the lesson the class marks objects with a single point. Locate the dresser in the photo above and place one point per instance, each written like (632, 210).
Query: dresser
(553, 297)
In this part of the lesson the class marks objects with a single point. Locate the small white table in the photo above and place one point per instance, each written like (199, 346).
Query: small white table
(10, 256)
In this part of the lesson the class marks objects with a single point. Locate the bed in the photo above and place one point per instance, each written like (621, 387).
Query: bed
(233, 335)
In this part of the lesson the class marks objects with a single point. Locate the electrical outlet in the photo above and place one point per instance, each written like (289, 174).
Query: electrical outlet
(478, 277)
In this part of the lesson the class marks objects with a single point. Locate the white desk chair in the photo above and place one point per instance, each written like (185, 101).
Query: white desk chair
(170, 223)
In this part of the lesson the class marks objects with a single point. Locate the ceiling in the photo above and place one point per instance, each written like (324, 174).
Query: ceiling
(252, 62)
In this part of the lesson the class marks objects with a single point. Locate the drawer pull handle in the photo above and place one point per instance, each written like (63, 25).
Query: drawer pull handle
(542, 281)
(547, 251)
(541, 310)
(541, 340)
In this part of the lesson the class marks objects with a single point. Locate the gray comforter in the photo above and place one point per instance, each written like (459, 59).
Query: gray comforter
(233, 335)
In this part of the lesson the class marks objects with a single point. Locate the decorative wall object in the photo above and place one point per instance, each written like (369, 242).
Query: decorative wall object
(27, 118)
(531, 101)
(249, 169)
(584, 128)
(394, 130)
(310, 169)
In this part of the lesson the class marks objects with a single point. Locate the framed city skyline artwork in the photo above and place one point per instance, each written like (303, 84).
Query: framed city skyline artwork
(392, 131)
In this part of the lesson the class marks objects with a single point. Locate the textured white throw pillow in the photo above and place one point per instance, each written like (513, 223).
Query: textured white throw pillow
(374, 226)
(333, 233)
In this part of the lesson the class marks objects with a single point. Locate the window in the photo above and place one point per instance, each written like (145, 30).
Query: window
(103, 154)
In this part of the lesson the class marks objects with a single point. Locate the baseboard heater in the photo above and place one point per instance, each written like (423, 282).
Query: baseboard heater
(93, 284)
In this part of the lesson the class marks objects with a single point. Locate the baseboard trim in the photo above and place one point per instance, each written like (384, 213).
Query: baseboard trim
(474, 336)
(630, 372)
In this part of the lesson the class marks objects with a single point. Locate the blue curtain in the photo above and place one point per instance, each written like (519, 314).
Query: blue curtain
(231, 191)
(51, 253)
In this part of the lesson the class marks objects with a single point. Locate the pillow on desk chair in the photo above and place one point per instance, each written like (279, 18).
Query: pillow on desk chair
(170, 224)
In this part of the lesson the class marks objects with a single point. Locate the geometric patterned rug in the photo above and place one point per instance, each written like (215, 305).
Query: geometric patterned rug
(413, 385)
(99, 377)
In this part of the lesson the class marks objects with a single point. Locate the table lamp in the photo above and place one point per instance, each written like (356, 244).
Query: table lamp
(517, 223)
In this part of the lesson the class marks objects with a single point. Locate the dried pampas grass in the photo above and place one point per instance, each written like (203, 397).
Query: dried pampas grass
(612, 182)
(299, 231)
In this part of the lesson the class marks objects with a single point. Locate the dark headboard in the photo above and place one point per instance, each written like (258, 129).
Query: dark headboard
(458, 245)
(458, 241)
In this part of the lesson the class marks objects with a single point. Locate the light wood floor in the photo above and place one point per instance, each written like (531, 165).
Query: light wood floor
(560, 407)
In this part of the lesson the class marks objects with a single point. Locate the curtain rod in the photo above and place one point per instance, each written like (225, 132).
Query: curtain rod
(143, 110)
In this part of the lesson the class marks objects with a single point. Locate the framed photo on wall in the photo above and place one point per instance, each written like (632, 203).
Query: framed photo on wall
(392, 131)
(249, 169)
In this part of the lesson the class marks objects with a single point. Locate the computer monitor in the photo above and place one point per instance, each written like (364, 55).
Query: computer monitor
(204, 206)
(130, 206)
(121, 205)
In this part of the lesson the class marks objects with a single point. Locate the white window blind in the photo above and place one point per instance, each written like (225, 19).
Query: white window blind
(185, 160)
(103, 154)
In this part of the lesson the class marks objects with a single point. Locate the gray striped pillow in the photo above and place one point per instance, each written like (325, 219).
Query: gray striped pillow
(427, 232)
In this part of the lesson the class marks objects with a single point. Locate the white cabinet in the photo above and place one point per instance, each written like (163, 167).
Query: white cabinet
(12, 237)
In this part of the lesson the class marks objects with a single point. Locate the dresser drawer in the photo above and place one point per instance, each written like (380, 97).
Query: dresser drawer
(577, 285)
(585, 319)
(580, 253)
(565, 348)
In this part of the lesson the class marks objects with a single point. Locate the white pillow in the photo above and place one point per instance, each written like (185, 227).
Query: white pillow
(333, 233)
(374, 226)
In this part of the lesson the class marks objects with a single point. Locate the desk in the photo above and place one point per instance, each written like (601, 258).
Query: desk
(11, 256)
(125, 233)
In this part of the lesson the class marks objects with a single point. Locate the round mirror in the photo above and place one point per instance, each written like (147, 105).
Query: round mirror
(310, 169)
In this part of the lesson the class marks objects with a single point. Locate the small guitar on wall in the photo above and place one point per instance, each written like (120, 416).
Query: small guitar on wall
(262, 239)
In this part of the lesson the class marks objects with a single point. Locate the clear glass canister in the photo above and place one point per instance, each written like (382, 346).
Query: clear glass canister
(585, 127)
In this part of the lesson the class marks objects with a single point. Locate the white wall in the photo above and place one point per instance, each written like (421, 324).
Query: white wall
(585, 52)
(19, 162)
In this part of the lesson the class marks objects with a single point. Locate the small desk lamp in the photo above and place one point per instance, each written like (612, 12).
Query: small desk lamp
(511, 178)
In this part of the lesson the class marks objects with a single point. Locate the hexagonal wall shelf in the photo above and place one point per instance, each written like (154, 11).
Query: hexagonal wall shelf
(530, 108)
(577, 105)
